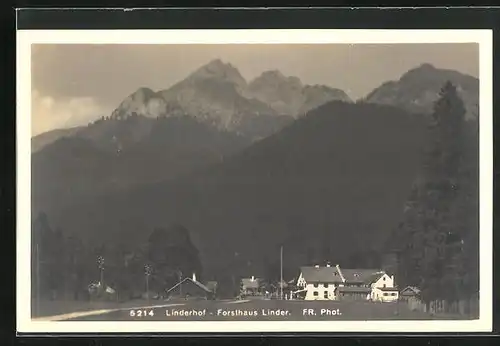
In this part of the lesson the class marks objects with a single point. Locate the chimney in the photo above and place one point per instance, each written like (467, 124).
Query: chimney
(194, 276)
(253, 278)
(392, 278)
(316, 266)
(328, 265)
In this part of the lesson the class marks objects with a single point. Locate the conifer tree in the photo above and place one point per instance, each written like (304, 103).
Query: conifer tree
(429, 255)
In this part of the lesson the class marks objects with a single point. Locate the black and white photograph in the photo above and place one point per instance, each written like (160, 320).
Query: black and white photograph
(286, 182)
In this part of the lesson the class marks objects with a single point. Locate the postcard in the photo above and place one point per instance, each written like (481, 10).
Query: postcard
(254, 181)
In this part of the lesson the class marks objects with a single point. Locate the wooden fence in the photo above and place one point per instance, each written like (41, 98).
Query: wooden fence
(465, 308)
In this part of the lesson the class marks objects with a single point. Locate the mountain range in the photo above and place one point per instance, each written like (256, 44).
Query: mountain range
(244, 166)
(218, 95)
(344, 171)
(418, 89)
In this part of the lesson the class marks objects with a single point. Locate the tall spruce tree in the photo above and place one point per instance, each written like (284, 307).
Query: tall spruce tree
(465, 216)
(429, 256)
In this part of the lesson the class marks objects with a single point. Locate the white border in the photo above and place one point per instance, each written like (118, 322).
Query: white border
(27, 37)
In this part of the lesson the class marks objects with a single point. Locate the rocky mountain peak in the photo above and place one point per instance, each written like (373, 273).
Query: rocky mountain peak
(143, 101)
(275, 77)
(424, 70)
(143, 94)
(218, 94)
(426, 67)
(288, 95)
(273, 74)
(217, 69)
(418, 89)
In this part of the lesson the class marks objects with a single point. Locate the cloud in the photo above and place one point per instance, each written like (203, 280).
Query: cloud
(49, 113)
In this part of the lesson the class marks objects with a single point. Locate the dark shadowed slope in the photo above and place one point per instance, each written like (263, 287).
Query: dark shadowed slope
(40, 141)
(345, 170)
(118, 133)
(116, 154)
(68, 168)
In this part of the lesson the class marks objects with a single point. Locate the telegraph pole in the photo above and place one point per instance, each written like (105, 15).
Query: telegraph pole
(100, 262)
(281, 272)
(147, 272)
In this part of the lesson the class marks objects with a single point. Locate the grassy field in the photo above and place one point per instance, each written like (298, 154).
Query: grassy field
(258, 310)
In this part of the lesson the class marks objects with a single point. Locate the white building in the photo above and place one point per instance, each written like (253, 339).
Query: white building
(335, 283)
(319, 283)
(384, 289)
(374, 283)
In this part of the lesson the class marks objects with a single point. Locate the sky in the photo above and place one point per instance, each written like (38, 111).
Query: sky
(73, 84)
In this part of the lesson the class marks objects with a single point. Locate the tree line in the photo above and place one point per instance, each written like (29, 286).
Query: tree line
(63, 266)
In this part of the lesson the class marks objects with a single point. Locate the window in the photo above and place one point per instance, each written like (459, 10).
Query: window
(384, 285)
(325, 294)
(315, 285)
(315, 293)
(393, 294)
(325, 285)
(386, 294)
(383, 279)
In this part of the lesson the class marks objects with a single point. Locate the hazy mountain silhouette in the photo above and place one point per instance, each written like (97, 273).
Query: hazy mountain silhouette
(344, 170)
(218, 95)
(418, 89)
(287, 95)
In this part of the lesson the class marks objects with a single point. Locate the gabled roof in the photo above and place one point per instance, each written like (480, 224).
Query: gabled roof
(349, 289)
(411, 289)
(390, 289)
(366, 276)
(375, 277)
(197, 283)
(321, 274)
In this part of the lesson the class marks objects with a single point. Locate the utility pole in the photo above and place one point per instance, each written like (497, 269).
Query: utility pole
(147, 272)
(100, 262)
(281, 272)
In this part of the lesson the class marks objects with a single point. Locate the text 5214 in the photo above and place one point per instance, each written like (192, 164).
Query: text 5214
(141, 313)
